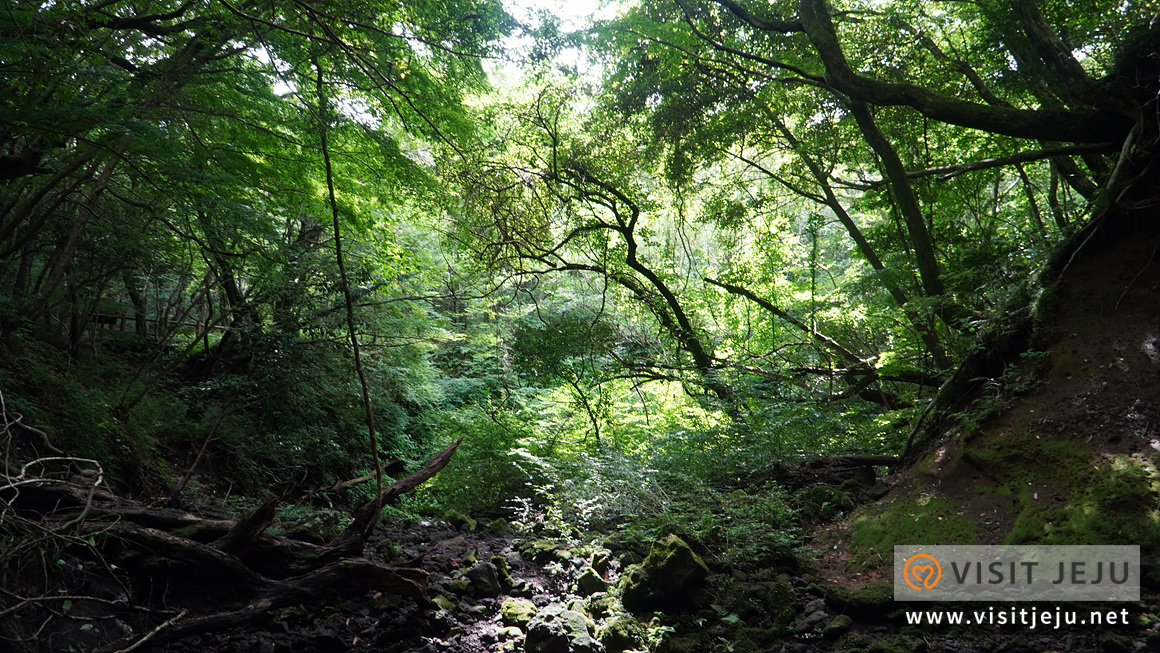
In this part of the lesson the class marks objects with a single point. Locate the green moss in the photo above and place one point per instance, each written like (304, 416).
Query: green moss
(517, 612)
(203, 532)
(754, 639)
(780, 601)
(898, 644)
(838, 626)
(1114, 503)
(870, 597)
(622, 633)
(458, 519)
(915, 519)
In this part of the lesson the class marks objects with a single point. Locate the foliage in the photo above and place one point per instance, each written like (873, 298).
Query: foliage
(749, 234)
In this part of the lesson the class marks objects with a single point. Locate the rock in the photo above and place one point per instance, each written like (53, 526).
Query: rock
(667, 579)
(540, 551)
(485, 578)
(558, 630)
(601, 561)
(501, 566)
(459, 586)
(680, 645)
(838, 626)
(443, 602)
(622, 633)
(590, 583)
(459, 520)
(872, 598)
(898, 644)
(601, 605)
(509, 632)
(498, 527)
(1114, 643)
(811, 621)
(517, 612)
(523, 589)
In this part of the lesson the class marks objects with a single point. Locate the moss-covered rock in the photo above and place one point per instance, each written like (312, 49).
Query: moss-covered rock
(444, 602)
(754, 639)
(872, 597)
(601, 561)
(459, 520)
(600, 605)
(668, 579)
(501, 567)
(780, 601)
(541, 551)
(621, 633)
(837, 627)
(517, 612)
(555, 629)
(590, 583)
(485, 579)
(1114, 643)
(498, 527)
(681, 645)
(898, 644)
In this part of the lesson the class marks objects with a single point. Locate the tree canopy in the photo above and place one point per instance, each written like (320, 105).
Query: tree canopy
(240, 241)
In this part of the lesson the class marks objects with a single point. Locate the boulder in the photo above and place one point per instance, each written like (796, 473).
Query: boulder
(517, 612)
(590, 583)
(485, 579)
(622, 633)
(668, 579)
(559, 630)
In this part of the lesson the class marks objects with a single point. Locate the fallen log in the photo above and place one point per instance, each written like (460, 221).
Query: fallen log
(193, 562)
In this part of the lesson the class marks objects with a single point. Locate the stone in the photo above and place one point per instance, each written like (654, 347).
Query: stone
(590, 583)
(559, 630)
(622, 633)
(501, 566)
(498, 527)
(601, 561)
(485, 579)
(517, 612)
(838, 626)
(810, 622)
(509, 632)
(668, 578)
(680, 645)
(601, 605)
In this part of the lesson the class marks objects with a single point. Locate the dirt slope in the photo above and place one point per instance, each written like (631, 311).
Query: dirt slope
(1063, 449)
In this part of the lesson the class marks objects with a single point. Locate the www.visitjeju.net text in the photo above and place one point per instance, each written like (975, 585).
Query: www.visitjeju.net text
(1031, 618)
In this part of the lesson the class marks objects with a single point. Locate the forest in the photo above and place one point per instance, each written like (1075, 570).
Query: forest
(457, 325)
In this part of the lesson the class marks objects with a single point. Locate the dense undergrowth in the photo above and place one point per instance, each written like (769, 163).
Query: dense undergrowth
(224, 435)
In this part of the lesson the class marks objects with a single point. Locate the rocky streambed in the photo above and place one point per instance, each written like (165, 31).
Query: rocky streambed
(498, 589)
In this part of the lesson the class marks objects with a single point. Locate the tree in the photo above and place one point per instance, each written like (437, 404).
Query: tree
(809, 95)
(163, 173)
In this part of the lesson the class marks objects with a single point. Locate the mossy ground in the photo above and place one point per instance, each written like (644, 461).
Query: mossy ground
(1062, 450)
